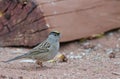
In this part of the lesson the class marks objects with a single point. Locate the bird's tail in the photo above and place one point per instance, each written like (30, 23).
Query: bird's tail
(16, 58)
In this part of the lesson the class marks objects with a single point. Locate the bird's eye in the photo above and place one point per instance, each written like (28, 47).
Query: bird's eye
(55, 34)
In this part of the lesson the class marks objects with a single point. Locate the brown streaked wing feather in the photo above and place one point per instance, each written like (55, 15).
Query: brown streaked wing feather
(38, 51)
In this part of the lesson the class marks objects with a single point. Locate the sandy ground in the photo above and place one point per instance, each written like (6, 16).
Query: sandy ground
(92, 59)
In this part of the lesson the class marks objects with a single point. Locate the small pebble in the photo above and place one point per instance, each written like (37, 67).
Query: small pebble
(20, 77)
(112, 55)
(3, 76)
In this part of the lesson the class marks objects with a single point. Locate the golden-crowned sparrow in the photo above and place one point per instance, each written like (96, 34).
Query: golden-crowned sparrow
(44, 51)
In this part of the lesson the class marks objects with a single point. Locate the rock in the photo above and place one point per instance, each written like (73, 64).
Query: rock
(21, 24)
(28, 22)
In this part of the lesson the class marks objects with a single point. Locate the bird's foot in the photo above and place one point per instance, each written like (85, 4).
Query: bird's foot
(39, 63)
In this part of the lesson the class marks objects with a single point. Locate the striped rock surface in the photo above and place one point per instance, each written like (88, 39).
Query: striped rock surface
(28, 22)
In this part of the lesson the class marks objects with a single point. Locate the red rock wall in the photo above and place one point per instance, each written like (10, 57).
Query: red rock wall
(81, 18)
(28, 22)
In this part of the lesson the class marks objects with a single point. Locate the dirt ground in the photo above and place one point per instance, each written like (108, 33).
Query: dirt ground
(91, 59)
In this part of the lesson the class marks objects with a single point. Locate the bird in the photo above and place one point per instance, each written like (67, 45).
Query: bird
(44, 51)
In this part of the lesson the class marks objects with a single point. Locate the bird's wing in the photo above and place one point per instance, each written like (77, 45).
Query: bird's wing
(37, 51)
(41, 48)
(44, 44)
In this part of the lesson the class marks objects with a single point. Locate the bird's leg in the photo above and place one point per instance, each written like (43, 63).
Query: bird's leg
(39, 63)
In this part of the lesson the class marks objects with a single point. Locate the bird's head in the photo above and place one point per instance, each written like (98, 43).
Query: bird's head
(55, 35)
